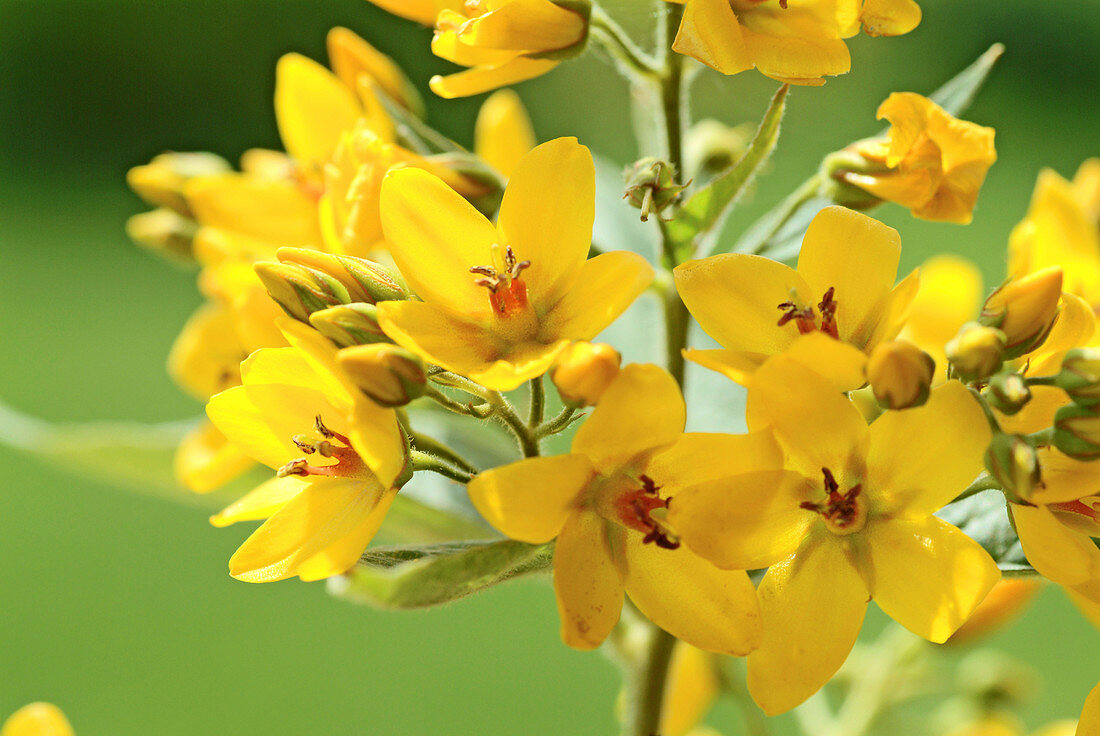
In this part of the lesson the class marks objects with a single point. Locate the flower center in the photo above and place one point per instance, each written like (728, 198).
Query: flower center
(642, 509)
(844, 513)
(330, 445)
(507, 292)
(806, 319)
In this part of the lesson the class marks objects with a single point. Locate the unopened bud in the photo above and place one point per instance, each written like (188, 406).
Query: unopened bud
(1077, 432)
(1080, 376)
(976, 352)
(900, 374)
(583, 371)
(1014, 464)
(651, 186)
(349, 324)
(300, 291)
(163, 231)
(1008, 392)
(712, 146)
(1024, 309)
(365, 281)
(842, 170)
(390, 375)
(160, 182)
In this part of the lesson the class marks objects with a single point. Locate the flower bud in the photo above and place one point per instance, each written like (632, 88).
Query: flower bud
(838, 172)
(1014, 464)
(1008, 392)
(365, 281)
(300, 291)
(651, 186)
(160, 182)
(583, 371)
(976, 352)
(1024, 309)
(390, 375)
(1077, 432)
(1080, 376)
(712, 147)
(900, 374)
(349, 324)
(163, 231)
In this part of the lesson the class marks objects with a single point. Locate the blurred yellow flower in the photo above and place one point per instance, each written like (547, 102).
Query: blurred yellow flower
(849, 518)
(930, 162)
(605, 501)
(692, 687)
(499, 303)
(503, 134)
(505, 41)
(422, 11)
(949, 296)
(37, 719)
(838, 305)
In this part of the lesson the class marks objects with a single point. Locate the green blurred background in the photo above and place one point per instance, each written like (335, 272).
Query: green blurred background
(118, 607)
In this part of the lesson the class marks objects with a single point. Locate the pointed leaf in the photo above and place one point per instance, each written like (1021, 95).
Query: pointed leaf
(418, 577)
(958, 93)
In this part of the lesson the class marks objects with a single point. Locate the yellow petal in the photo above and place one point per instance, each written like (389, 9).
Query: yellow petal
(587, 581)
(893, 310)
(1065, 479)
(745, 521)
(796, 59)
(1039, 412)
(435, 237)
(482, 79)
(319, 354)
(262, 501)
(351, 57)
(279, 366)
(889, 17)
(692, 688)
(908, 116)
(927, 575)
(547, 214)
(858, 257)
(333, 517)
(1089, 725)
(733, 297)
(421, 11)
(530, 500)
(503, 133)
(1073, 327)
(919, 459)
(698, 457)
(205, 355)
(602, 289)
(950, 295)
(378, 439)
(277, 212)
(37, 719)
(813, 605)
(710, 33)
(531, 25)
(313, 109)
(1059, 553)
(641, 410)
(691, 599)
(816, 425)
(206, 460)
(837, 361)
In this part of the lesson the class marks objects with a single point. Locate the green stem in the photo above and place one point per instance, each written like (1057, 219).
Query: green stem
(462, 383)
(676, 329)
(468, 409)
(538, 403)
(557, 424)
(672, 88)
(757, 238)
(1042, 438)
(431, 463)
(432, 446)
(635, 62)
(990, 417)
(528, 440)
(646, 688)
(1042, 381)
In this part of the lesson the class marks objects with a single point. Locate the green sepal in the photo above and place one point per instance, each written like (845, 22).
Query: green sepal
(419, 577)
(412, 132)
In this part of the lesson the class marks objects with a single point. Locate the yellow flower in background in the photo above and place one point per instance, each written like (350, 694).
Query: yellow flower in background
(37, 719)
(499, 303)
(605, 501)
(1062, 228)
(503, 133)
(930, 162)
(337, 455)
(795, 41)
(421, 11)
(1089, 725)
(505, 41)
(692, 687)
(849, 518)
(1006, 602)
(999, 724)
(949, 296)
(837, 306)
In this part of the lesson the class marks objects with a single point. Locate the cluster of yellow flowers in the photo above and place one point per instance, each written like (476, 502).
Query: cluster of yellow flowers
(376, 263)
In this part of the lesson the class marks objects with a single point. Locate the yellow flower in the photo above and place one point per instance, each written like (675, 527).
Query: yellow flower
(836, 307)
(605, 504)
(505, 41)
(1005, 602)
(949, 296)
(499, 303)
(796, 41)
(692, 687)
(37, 719)
(1061, 229)
(503, 134)
(338, 456)
(1089, 725)
(849, 518)
(422, 11)
(930, 162)
(583, 371)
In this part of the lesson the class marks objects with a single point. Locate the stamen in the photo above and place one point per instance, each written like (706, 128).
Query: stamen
(298, 466)
(827, 306)
(303, 444)
(843, 512)
(507, 292)
(804, 317)
(637, 512)
(348, 463)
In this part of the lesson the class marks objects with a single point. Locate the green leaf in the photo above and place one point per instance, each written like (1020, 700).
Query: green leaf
(418, 577)
(984, 518)
(957, 94)
(707, 207)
